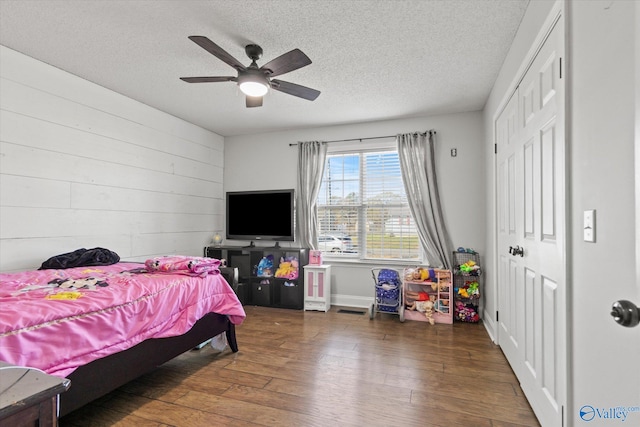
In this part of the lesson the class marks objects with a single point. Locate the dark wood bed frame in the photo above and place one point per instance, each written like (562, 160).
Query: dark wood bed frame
(102, 376)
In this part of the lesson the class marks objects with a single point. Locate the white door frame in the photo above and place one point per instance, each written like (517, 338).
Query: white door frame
(637, 157)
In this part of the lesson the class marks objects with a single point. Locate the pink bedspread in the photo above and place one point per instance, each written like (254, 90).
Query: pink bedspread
(57, 320)
(194, 266)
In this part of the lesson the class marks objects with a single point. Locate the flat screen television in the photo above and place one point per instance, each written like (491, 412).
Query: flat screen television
(260, 215)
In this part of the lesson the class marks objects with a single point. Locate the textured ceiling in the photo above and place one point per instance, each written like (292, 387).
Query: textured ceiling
(372, 59)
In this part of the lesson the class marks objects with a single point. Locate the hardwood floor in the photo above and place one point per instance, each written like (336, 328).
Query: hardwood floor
(298, 368)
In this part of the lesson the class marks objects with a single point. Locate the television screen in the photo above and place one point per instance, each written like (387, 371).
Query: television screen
(260, 215)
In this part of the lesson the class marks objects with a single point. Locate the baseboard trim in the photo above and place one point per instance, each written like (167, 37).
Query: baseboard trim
(490, 326)
(351, 301)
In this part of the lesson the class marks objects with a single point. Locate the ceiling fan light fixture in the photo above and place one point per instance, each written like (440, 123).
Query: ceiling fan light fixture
(253, 82)
(251, 88)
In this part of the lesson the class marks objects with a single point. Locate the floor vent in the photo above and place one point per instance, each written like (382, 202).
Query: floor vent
(350, 311)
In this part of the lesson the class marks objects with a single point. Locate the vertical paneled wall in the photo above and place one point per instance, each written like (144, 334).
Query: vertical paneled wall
(82, 166)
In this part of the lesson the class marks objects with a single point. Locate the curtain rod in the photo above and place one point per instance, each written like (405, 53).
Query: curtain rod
(364, 139)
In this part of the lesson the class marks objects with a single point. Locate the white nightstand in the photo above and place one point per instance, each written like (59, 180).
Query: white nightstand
(317, 287)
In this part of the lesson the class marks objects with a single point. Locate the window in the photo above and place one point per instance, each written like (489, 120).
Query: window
(362, 207)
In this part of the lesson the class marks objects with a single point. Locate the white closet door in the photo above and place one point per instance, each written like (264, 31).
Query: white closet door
(508, 196)
(531, 218)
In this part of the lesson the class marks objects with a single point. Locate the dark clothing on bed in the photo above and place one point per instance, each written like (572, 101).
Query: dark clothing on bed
(81, 258)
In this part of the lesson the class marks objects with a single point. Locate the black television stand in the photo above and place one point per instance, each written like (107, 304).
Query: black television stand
(267, 290)
(252, 245)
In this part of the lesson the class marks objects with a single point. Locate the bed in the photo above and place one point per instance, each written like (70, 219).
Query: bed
(103, 326)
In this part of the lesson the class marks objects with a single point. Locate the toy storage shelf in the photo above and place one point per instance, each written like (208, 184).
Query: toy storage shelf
(467, 286)
(264, 289)
(430, 283)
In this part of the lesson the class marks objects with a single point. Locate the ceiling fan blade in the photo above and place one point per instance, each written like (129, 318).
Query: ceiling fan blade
(286, 62)
(294, 89)
(254, 101)
(208, 79)
(217, 51)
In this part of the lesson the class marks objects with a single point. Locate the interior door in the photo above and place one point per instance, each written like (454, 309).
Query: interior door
(531, 232)
(508, 203)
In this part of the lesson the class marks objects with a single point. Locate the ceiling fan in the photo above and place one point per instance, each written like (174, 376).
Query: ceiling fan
(254, 82)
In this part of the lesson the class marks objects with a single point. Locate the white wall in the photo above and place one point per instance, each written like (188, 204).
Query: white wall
(266, 161)
(603, 75)
(82, 166)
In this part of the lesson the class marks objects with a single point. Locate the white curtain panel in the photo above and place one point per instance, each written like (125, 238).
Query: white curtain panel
(417, 162)
(311, 159)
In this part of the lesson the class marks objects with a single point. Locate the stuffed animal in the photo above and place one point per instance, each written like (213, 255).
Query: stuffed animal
(470, 268)
(473, 289)
(469, 290)
(283, 269)
(265, 267)
(466, 312)
(288, 268)
(425, 307)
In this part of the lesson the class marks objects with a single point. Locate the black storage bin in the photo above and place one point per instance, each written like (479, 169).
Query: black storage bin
(291, 296)
(261, 293)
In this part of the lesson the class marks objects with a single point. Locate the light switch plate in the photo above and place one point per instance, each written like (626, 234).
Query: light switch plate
(589, 226)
